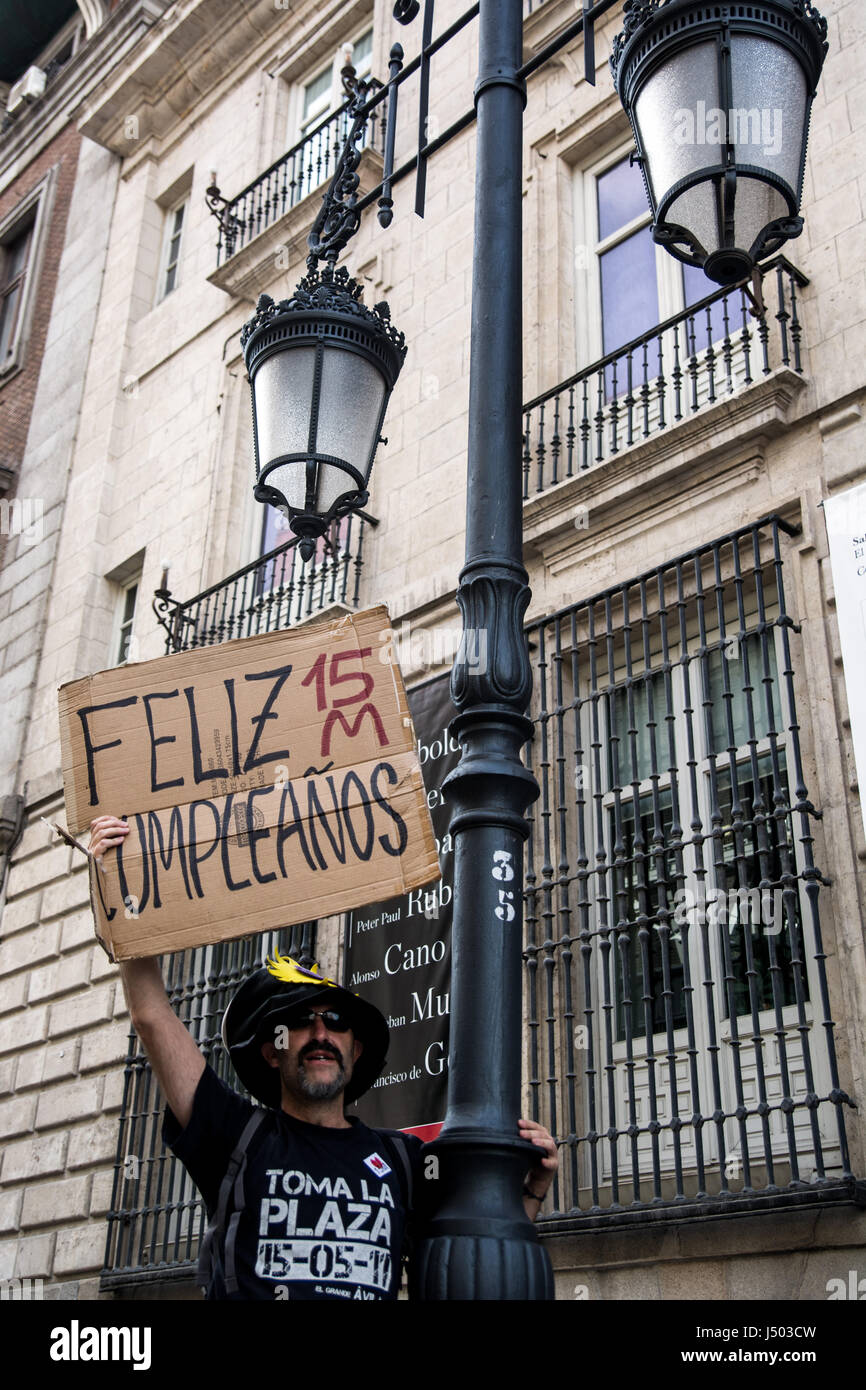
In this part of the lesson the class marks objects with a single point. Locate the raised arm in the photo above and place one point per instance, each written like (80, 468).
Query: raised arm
(174, 1056)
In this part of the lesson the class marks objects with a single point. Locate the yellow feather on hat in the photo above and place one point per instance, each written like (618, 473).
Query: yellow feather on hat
(291, 973)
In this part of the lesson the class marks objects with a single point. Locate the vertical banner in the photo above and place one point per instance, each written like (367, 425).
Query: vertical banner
(845, 515)
(398, 952)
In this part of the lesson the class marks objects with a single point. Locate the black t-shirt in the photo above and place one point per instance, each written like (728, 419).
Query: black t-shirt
(324, 1212)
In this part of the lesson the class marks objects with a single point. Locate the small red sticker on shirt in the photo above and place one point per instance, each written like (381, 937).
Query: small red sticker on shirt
(377, 1165)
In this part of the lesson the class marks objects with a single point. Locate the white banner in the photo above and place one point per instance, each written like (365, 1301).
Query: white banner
(845, 515)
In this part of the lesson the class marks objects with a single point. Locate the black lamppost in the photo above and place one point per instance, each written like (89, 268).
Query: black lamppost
(719, 209)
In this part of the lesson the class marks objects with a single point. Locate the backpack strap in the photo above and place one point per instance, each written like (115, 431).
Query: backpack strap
(397, 1145)
(231, 1189)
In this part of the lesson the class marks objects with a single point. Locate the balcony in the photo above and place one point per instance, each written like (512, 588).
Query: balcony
(277, 590)
(706, 356)
(273, 211)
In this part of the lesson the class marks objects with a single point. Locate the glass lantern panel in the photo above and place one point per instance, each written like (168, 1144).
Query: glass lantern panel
(769, 106)
(334, 483)
(290, 480)
(697, 209)
(283, 387)
(757, 204)
(350, 407)
(680, 133)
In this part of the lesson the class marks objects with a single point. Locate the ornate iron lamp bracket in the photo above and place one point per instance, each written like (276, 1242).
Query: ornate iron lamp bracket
(338, 218)
(169, 614)
(219, 207)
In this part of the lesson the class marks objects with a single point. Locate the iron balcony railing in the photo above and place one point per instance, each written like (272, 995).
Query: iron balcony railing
(680, 1035)
(300, 171)
(705, 354)
(274, 591)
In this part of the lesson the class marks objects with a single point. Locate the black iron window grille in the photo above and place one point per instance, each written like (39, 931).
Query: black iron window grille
(706, 353)
(680, 1038)
(157, 1216)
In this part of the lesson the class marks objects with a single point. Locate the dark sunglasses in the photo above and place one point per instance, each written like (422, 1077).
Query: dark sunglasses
(306, 1018)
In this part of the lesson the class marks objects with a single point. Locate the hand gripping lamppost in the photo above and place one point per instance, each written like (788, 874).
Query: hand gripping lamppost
(322, 367)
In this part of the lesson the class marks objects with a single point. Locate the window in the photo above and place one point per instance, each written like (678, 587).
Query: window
(15, 254)
(636, 283)
(746, 851)
(324, 93)
(123, 644)
(635, 286)
(676, 986)
(318, 98)
(62, 48)
(173, 236)
(308, 587)
(22, 239)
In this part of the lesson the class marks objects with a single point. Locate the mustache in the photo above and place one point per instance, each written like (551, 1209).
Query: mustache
(320, 1047)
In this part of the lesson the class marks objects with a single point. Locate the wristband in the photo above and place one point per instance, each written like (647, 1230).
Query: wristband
(527, 1192)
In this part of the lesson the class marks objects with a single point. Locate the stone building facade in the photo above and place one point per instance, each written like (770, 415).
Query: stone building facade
(674, 479)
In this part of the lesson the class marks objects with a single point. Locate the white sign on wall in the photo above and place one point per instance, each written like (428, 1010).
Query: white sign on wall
(845, 515)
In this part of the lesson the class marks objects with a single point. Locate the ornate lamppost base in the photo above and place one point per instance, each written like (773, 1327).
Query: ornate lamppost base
(480, 1245)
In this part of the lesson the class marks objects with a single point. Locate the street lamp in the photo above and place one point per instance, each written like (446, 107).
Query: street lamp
(719, 97)
(322, 367)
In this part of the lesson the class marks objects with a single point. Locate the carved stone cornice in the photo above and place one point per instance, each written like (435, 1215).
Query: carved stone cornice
(63, 98)
(187, 55)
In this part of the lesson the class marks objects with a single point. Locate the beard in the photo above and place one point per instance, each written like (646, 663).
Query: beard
(322, 1090)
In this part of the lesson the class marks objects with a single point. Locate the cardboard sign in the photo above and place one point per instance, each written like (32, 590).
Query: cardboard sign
(267, 781)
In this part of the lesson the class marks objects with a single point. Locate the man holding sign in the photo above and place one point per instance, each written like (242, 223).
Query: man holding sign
(304, 1203)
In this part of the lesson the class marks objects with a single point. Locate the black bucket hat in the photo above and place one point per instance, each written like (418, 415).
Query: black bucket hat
(267, 996)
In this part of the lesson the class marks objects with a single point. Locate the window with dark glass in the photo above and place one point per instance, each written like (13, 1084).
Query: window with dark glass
(14, 258)
(679, 1032)
(127, 621)
(747, 893)
(633, 298)
(174, 236)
